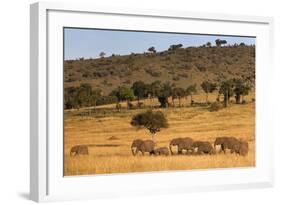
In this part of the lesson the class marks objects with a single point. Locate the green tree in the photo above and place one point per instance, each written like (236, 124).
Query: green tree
(220, 42)
(227, 89)
(102, 54)
(178, 93)
(174, 47)
(140, 90)
(84, 94)
(153, 90)
(95, 95)
(151, 120)
(208, 87)
(190, 91)
(240, 89)
(164, 93)
(70, 98)
(208, 44)
(152, 49)
(123, 93)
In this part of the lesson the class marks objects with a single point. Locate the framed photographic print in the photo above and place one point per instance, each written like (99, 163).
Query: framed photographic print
(127, 96)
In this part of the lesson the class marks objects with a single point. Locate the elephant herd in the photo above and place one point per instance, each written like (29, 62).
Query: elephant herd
(188, 145)
(184, 145)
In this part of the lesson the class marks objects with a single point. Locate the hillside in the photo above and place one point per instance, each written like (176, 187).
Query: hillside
(181, 66)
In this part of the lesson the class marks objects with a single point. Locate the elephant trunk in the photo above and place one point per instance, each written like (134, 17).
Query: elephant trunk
(171, 149)
(133, 152)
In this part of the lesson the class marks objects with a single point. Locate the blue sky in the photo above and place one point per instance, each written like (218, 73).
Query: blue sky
(88, 43)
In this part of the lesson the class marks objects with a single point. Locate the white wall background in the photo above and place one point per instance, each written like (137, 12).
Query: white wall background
(14, 101)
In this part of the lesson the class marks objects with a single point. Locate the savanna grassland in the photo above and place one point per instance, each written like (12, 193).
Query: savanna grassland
(109, 134)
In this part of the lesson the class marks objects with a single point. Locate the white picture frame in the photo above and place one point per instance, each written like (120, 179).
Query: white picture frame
(46, 178)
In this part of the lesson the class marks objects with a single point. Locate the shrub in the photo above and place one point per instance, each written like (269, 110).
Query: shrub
(215, 106)
(153, 73)
(106, 100)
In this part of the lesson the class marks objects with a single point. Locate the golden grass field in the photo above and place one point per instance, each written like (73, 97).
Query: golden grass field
(109, 136)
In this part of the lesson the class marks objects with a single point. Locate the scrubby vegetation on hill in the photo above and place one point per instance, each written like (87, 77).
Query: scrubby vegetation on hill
(180, 66)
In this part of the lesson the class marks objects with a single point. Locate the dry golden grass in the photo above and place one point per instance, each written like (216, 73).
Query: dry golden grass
(109, 139)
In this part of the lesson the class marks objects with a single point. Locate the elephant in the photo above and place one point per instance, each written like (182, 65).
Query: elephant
(79, 150)
(225, 143)
(182, 144)
(143, 146)
(136, 143)
(241, 148)
(161, 151)
(203, 147)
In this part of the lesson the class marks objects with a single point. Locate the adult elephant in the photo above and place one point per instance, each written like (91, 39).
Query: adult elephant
(142, 146)
(226, 143)
(182, 144)
(241, 148)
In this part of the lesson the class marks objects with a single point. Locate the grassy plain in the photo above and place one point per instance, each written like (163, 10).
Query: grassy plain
(109, 135)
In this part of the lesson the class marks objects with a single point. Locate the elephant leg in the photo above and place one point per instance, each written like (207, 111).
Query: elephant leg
(180, 150)
(223, 148)
(192, 150)
(137, 151)
(199, 151)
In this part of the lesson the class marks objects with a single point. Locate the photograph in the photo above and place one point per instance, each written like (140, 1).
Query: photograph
(149, 101)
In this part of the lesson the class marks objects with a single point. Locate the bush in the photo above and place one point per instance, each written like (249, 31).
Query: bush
(106, 100)
(215, 106)
(153, 73)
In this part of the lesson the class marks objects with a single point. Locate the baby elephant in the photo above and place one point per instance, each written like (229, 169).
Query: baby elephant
(241, 148)
(79, 149)
(203, 147)
(161, 151)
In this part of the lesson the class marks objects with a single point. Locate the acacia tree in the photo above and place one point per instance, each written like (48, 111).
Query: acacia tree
(208, 87)
(164, 93)
(153, 90)
(178, 93)
(152, 49)
(71, 97)
(151, 120)
(102, 54)
(84, 94)
(220, 42)
(208, 44)
(174, 47)
(190, 91)
(95, 94)
(123, 94)
(227, 89)
(240, 89)
(140, 90)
